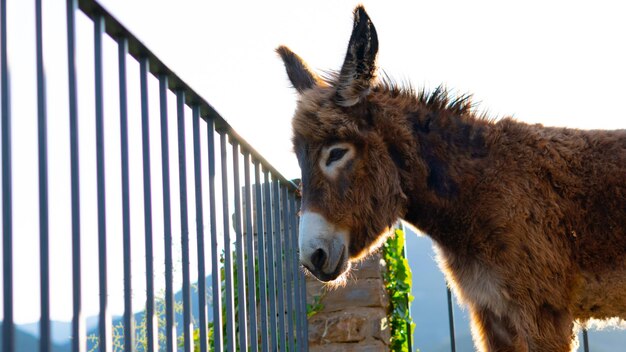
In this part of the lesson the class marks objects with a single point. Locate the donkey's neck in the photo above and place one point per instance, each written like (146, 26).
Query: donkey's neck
(440, 154)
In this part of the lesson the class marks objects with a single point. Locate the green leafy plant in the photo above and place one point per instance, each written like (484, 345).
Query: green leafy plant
(398, 281)
(315, 307)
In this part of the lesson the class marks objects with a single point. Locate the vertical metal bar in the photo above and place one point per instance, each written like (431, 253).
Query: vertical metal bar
(305, 318)
(129, 334)
(251, 280)
(294, 271)
(259, 209)
(8, 338)
(215, 266)
(270, 262)
(239, 247)
(199, 229)
(170, 331)
(585, 341)
(104, 323)
(78, 324)
(184, 222)
(451, 321)
(228, 261)
(288, 287)
(44, 247)
(147, 203)
(294, 268)
(280, 283)
(302, 278)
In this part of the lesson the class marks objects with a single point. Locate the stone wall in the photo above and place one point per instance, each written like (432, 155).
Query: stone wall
(354, 317)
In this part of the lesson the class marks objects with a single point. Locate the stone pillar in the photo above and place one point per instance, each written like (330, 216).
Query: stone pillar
(352, 317)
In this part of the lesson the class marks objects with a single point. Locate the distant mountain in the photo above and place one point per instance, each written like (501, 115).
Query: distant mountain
(23, 341)
(430, 308)
(61, 330)
(27, 335)
(178, 297)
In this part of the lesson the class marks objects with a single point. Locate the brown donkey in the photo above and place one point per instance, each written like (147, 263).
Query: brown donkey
(529, 221)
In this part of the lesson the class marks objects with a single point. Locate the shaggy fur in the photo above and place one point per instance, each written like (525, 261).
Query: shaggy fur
(529, 221)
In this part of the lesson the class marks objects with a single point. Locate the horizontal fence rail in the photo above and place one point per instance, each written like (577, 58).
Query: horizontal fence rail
(189, 158)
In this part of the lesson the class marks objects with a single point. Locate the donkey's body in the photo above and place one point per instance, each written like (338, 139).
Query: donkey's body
(529, 221)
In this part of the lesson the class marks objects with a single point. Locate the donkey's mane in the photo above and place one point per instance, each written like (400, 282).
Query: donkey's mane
(439, 99)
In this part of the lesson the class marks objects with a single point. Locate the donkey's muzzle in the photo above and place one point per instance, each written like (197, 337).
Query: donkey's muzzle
(323, 247)
(319, 269)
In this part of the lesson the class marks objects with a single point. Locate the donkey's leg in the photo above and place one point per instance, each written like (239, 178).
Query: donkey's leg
(495, 333)
(553, 330)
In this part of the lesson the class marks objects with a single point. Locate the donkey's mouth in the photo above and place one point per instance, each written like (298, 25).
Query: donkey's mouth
(341, 267)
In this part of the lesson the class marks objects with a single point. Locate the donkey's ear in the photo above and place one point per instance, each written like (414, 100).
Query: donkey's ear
(359, 66)
(299, 73)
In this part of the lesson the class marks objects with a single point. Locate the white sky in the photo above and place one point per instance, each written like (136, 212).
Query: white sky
(557, 63)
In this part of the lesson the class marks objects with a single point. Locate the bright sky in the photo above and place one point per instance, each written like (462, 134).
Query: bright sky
(557, 63)
(552, 62)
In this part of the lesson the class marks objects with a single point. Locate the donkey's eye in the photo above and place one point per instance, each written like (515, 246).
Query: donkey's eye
(335, 154)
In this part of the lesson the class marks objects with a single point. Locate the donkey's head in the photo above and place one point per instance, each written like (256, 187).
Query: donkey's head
(351, 187)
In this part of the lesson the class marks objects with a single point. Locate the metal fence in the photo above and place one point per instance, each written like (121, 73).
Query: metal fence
(258, 304)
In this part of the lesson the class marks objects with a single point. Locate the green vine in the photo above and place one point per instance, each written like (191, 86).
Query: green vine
(398, 284)
(315, 307)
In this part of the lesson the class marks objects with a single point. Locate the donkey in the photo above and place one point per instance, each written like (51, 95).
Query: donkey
(529, 222)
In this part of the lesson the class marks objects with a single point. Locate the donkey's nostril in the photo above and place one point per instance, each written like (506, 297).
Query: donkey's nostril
(318, 259)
